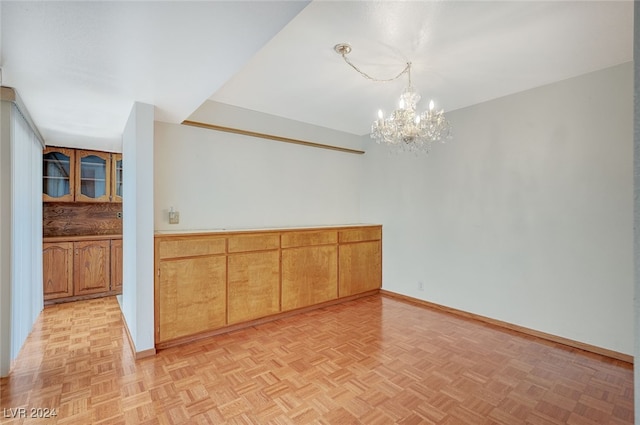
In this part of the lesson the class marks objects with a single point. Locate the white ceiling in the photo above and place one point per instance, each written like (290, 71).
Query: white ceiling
(79, 66)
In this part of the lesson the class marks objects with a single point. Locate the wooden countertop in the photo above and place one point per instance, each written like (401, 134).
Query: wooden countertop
(80, 238)
(162, 233)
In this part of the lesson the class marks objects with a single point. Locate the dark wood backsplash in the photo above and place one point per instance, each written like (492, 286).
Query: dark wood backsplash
(79, 219)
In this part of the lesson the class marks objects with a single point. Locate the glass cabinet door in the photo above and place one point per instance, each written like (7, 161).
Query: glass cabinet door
(116, 177)
(57, 175)
(93, 176)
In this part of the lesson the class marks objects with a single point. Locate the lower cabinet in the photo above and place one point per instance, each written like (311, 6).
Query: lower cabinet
(208, 281)
(76, 269)
(57, 268)
(91, 267)
(254, 285)
(116, 265)
(360, 267)
(192, 296)
(309, 276)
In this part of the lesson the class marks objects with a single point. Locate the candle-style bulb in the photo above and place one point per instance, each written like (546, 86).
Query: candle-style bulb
(380, 116)
(431, 105)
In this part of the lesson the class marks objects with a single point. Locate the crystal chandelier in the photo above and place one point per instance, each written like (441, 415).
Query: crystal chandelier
(405, 129)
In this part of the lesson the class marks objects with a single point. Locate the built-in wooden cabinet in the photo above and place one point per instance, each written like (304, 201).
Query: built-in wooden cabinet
(254, 285)
(192, 296)
(116, 265)
(93, 176)
(58, 175)
(309, 268)
(91, 267)
(57, 266)
(75, 175)
(207, 282)
(77, 269)
(360, 261)
(116, 177)
(82, 223)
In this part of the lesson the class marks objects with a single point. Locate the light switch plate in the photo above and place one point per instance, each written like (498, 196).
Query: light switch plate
(174, 217)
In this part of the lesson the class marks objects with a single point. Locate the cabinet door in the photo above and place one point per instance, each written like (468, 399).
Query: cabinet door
(116, 265)
(360, 267)
(57, 270)
(116, 177)
(91, 267)
(309, 276)
(254, 285)
(58, 178)
(93, 176)
(192, 296)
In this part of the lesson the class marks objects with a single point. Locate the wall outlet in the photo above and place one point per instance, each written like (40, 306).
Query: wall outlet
(420, 286)
(119, 214)
(174, 217)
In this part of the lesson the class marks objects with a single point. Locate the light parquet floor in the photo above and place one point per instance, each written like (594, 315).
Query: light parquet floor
(372, 361)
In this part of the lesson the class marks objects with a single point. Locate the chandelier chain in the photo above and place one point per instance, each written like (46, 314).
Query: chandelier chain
(407, 69)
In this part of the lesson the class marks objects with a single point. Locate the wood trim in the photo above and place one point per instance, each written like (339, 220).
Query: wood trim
(238, 326)
(9, 94)
(270, 137)
(510, 326)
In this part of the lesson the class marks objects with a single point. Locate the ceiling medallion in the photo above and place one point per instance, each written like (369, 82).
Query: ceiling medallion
(405, 129)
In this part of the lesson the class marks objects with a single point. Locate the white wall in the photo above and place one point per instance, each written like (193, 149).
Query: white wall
(222, 180)
(526, 216)
(137, 301)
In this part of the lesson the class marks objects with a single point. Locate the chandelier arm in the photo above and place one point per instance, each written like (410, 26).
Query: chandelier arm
(369, 77)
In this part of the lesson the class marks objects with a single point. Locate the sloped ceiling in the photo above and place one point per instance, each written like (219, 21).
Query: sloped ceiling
(79, 66)
(462, 53)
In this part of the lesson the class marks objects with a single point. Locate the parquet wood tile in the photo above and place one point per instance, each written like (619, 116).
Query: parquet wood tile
(372, 361)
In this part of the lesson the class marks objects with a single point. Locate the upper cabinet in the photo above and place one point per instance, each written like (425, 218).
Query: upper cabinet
(58, 180)
(81, 175)
(116, 177)
(93, 176)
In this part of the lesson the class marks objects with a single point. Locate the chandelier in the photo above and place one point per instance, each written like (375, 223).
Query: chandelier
(405, 129)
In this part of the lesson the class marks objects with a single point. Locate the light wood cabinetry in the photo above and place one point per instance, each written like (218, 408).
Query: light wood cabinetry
(116, 265)
(360, 268)
(81, 268)
(93, 176)
(309, 268)
(309, 276)
(91, 267)
(254, 285)
(192, 296)
(78, 175)
(209, 282)
(58, 175)
(57, 266)
(116, 177)
(80, 192)
(360, 260)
